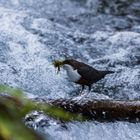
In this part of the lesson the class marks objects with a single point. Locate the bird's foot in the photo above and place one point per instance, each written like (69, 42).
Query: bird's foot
(80, 98)
(78, 92)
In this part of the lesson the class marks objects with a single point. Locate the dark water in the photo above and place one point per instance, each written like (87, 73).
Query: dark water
(103, 34)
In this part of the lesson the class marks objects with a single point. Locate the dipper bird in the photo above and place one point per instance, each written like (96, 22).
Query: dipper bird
(81, 73)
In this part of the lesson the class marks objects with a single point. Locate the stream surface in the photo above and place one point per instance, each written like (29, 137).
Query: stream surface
(35, 32)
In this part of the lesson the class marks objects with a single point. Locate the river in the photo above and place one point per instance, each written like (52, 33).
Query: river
(33, 33)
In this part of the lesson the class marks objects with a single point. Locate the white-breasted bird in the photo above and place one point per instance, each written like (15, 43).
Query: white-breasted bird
(81, 73)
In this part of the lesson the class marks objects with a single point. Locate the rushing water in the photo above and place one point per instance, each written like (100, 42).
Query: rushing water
(35, 32)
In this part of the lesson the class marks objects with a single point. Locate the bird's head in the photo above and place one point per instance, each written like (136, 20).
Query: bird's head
(58, 64)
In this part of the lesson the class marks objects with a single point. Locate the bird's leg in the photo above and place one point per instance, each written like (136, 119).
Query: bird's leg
(84, 95)
(83, 87)
(89, 88)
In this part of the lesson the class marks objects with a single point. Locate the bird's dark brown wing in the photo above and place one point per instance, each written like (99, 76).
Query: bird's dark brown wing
(87, 72)
(91, 75)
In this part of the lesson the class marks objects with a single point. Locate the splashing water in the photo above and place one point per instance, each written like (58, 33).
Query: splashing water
(34, 33)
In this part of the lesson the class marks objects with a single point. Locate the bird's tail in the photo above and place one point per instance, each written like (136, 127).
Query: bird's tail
(106, 72)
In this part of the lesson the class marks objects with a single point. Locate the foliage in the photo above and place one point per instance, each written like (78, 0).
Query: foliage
(14, 107)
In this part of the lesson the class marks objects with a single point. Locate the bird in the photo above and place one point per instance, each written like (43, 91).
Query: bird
(81, 73)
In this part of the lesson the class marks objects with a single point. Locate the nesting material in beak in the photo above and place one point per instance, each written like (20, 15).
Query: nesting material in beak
(57, 64)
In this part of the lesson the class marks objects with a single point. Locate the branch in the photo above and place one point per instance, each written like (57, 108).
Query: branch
(100, 110)
(103, 110)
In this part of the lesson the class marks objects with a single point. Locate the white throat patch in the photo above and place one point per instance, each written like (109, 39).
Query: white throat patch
(72, 74)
